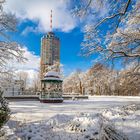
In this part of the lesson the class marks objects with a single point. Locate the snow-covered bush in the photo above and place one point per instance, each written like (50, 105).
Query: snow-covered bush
(4, 110)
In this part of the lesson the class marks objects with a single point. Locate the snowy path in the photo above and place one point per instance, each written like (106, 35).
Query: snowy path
(34, 110)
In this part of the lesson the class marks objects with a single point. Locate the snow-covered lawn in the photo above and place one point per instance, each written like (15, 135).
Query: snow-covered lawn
(81, 119)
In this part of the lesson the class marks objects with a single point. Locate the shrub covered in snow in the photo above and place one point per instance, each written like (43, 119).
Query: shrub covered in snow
(4, 110)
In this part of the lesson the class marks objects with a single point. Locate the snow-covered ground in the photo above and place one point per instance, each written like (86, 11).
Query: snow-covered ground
(79, 119)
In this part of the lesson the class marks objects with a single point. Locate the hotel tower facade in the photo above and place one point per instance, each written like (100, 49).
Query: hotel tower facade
(50, 51)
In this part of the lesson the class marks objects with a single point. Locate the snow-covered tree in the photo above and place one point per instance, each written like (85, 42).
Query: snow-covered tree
(69, 84)
(8, 50)
(4, 110)
(125, 42)
(99, 80)
(74, 83)
(24, 76)
(36, 82)
(5, 79)
(112, 28)
(127, 82)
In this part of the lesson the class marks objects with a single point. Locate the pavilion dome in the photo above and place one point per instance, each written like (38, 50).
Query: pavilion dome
(52, 75)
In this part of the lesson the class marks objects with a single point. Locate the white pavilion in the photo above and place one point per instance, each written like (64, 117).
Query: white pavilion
(51, 87)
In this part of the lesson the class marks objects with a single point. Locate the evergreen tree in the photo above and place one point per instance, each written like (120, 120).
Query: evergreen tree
(4, 110)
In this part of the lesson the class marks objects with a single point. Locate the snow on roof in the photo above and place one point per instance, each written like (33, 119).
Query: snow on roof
(52, 79)
(52, 75)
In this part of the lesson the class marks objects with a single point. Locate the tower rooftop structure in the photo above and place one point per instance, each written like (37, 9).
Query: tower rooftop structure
(50, 35)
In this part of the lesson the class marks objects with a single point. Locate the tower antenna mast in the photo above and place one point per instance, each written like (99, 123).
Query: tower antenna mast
(51, 21)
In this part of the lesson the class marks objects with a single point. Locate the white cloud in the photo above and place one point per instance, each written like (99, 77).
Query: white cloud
(38, 11)
(32, 63)
(27, 30)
